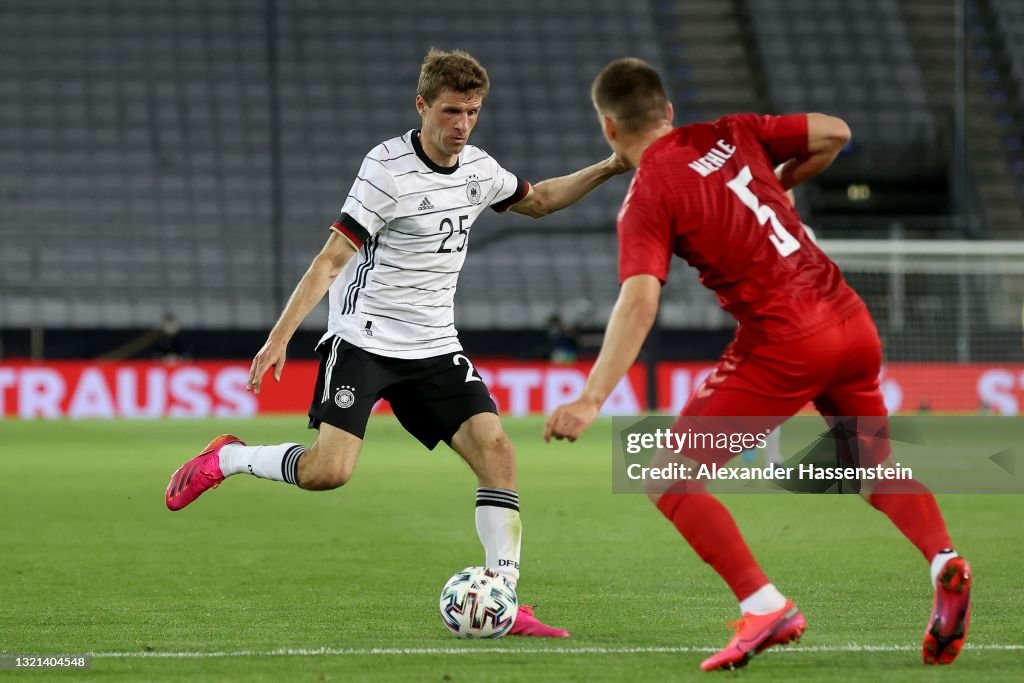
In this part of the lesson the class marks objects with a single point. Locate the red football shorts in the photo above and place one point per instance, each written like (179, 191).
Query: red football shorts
(836, 369)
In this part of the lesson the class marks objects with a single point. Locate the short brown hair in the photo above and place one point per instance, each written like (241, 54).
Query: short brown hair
(630, 91)
(456, 70)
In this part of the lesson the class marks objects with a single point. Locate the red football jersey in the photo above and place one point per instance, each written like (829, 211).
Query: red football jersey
(707, 192)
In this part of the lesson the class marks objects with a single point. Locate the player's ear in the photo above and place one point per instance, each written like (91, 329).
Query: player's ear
(421, 105)
(608, 127)
(670, 112)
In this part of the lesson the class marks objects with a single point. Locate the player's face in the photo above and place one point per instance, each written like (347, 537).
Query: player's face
(449, 120)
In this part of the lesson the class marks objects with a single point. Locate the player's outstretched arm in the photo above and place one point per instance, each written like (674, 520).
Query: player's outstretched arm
(826, 137)
(555, 194)
(308, 293)
(631, 320)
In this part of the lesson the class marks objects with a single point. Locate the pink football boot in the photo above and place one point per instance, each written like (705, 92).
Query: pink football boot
(529, 625)
(756, 633)
(198, 474)
(951, 614)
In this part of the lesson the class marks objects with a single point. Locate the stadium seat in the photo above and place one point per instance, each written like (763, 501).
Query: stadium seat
(841, 54)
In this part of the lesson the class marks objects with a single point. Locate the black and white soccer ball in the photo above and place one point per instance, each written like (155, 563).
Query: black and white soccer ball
(479, 603)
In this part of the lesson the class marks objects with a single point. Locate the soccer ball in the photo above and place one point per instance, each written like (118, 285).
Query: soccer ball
(479, 603)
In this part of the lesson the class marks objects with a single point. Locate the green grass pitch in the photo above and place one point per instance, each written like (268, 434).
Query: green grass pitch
(262, 581)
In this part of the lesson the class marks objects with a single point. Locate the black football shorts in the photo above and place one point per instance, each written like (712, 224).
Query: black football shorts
(431, 397)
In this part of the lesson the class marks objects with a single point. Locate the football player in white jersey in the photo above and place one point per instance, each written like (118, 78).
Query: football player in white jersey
(390, 265)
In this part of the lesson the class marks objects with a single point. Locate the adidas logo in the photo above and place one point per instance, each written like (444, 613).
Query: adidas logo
(425, 204)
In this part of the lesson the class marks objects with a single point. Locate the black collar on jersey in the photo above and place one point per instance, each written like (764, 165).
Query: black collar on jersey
(447, 170)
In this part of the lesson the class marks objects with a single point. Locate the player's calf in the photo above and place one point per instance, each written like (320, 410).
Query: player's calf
(318, 471)
(327, 464)
(497, 463)
(226, 456)
(483, 444)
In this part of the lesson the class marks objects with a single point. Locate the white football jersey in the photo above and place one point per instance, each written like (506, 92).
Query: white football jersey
(410, 219)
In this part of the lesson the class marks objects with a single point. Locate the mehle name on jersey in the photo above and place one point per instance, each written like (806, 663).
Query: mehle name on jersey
(713, 160)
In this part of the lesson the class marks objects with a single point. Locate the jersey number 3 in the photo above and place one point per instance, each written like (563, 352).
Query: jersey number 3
(783, 241)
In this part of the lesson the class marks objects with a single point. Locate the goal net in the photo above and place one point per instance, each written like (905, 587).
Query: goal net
(939, 300)
(949, 315)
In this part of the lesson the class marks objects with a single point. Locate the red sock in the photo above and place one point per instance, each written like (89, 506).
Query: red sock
(912, 508)
(711, 531)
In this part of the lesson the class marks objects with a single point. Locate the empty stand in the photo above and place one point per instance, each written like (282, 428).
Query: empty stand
(851, 59)
(136, 164)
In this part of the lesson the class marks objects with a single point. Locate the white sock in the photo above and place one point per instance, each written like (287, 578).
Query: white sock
(500, 531)
(764, 600)
(773, 448)
(939, 561)
(279, 462)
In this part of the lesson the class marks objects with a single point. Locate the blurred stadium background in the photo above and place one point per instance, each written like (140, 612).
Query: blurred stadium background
(169, 167)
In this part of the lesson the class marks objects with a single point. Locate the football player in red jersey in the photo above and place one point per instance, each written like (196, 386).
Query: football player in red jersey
(708, 193)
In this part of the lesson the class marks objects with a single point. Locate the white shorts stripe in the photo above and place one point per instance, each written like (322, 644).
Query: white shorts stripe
(329, 369)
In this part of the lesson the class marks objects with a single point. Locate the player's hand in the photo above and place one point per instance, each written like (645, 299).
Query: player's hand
(272, 355)
(570, 420)
(617, 164)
